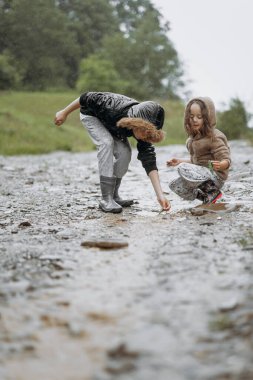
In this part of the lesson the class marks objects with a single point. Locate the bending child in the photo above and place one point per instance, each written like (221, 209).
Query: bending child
(205, 173)
(110, 119)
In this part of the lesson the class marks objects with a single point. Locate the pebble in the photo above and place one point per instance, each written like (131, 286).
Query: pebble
(104, 244)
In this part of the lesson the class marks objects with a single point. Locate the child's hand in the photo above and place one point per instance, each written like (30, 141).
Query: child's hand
(220, 165)
(173, 162)
(164, 203)
(60, 117)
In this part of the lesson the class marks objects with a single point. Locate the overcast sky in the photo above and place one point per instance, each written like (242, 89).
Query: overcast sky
(214, 39)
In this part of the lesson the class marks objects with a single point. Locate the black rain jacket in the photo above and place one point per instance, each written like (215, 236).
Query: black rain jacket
(109, 108)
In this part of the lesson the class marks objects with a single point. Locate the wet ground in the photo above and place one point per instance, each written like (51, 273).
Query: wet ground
(176, 304)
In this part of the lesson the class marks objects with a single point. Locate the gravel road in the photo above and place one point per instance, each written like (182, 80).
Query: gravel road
(175, 304)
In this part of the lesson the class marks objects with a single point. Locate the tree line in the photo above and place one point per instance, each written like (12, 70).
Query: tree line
(96, 45)
(106, 45)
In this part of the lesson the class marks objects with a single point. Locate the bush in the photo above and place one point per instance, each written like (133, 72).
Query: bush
(9, 77)
(99, 75)
(234, 122)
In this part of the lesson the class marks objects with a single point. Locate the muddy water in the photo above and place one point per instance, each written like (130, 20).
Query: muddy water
(175, 304)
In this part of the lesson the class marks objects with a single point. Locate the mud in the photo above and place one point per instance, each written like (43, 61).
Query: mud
(176, 303)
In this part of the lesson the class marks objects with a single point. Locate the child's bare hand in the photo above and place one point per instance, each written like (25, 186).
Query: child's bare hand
(60, 117)
(219, 165)
(165, 204)
(173, 162)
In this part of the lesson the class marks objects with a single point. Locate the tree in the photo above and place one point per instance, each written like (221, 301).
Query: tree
(40, 43)
(90, 21)
(9, 76)
(234, 121)
(131, 12)
(142, 52)
(98, 74)
(47, 39)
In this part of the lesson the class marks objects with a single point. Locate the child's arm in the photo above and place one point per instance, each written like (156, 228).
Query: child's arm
(220, 152)
(176, 161)
(154, 177)
(62, 115)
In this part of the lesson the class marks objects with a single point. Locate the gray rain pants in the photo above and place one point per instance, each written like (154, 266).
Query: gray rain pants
(190, 178)
(114, 155)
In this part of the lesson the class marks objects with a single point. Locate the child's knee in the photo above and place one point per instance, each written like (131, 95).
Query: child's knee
(183, 167)
(123, 154)
(128, 156)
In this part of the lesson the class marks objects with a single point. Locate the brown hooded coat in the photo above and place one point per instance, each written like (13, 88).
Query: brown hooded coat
(205, 148)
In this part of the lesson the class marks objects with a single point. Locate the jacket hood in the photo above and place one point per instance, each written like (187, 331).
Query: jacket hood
(150, 111)
(210, 108)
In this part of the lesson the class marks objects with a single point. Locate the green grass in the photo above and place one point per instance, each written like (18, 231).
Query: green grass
(173, 125)
(26, 124)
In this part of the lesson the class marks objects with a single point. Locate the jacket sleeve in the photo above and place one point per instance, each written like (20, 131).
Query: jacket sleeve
(220, 148)
(147, 156)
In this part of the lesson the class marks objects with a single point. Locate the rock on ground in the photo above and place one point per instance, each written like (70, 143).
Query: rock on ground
(176, 303)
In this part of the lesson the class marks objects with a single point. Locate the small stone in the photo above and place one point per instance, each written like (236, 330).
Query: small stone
(29, 182)
(248, 248)
(77, 330)
(122, 351)
(229, 305)
(197, 212)
(65, 234)
(25, 224)
(104, 244)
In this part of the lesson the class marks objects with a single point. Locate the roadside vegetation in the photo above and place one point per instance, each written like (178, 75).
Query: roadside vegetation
(52, 51)
(26, 124)
(27, 127)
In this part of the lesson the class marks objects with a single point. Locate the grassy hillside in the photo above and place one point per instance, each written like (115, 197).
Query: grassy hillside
(26, 124)
(173, 126)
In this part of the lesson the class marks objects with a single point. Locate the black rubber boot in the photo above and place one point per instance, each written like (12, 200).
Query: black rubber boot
(116, 197)
(107, 204)
(210, 191)
(200, 195)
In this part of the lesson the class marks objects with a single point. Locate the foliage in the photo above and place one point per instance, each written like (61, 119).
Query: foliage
(131, 12)
(173, 123)
(147, 57)
(234, 121)
(90, 20)
(98, 74)
(47, 41)
(29, 129)
(9, 76)
(40, 43)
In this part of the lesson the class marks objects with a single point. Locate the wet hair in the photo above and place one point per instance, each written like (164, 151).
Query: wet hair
(206, 130)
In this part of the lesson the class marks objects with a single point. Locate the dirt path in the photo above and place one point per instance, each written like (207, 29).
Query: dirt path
(176, 304)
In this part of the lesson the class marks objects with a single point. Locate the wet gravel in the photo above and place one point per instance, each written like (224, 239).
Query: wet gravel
(175, 304)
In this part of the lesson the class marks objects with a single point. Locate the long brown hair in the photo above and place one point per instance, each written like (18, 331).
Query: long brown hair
(206, 130)
(146, 130)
